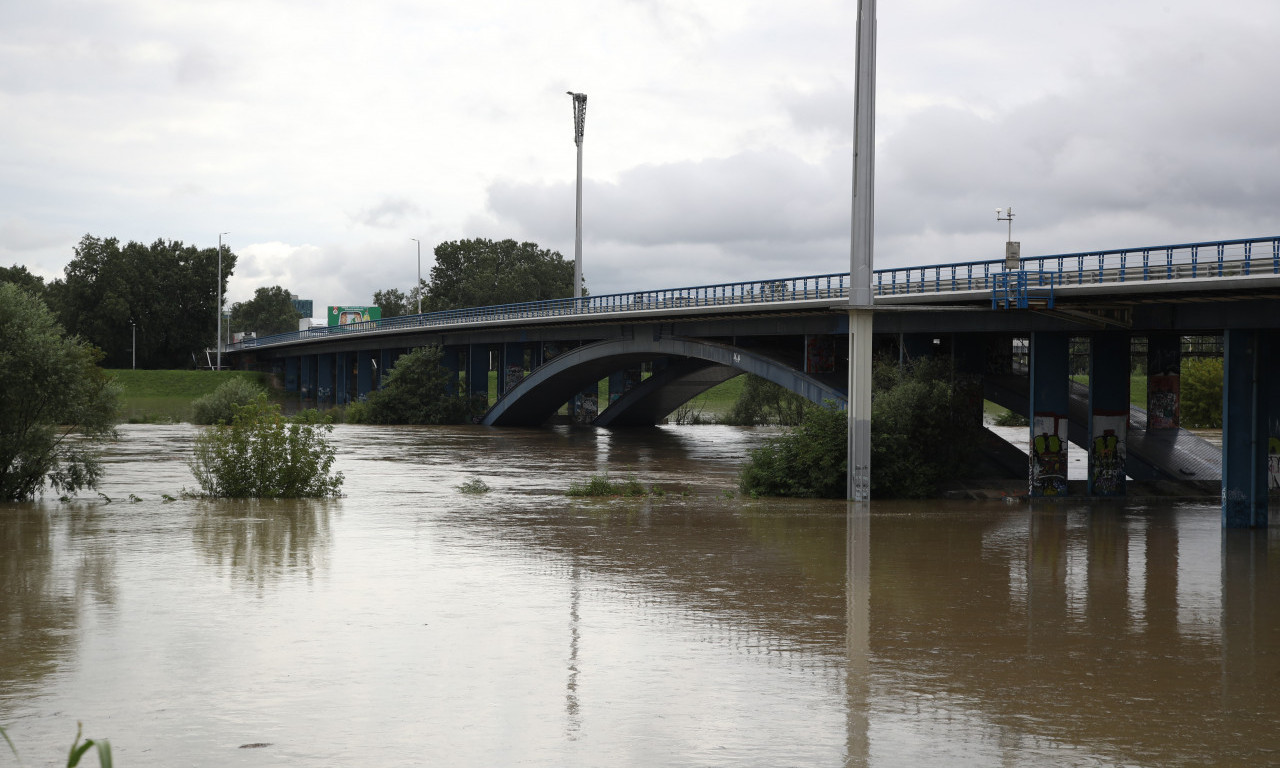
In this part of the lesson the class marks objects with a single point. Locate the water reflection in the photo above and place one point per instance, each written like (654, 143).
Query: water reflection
(258, 542)
(1068, 644)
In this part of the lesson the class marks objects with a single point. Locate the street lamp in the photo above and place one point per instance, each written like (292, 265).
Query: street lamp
(134, 348)
(218, 357)
(579, 125)
(418, 286)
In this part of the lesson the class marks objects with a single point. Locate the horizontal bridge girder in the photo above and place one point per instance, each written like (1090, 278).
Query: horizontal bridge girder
(542, 392)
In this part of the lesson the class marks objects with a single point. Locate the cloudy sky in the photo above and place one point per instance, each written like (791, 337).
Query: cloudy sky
(323, 135)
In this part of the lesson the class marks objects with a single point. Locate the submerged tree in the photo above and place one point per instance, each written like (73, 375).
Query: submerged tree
(56, 404)
(419, 390)
(261, 455)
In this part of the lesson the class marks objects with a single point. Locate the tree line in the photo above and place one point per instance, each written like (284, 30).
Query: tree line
(163, 297)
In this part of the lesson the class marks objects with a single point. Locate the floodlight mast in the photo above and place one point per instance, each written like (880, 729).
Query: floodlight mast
(579, 128)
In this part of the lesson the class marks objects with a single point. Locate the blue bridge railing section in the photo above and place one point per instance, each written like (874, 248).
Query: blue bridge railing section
(1165, 262)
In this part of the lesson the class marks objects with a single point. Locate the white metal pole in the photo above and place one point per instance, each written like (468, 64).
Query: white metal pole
(218, 346)
(134, 348)
(579, 127)
(418, 287)
(860, 259)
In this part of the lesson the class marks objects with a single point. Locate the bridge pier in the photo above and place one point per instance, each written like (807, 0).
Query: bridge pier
(1049, 408)
(1164, 376)
(1250, 374)
(364, 373)
(478, 370)
(1108, 412)
(291, 372)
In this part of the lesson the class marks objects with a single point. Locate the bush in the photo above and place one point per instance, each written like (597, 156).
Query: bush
(1201, 392)
(260, 455)
(916, 441)
(601, 485)
(219, 406)
(763, 402)
(808, 462)
(419, 390)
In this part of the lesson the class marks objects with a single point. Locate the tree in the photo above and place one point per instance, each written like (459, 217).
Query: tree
(50, 389)
(18, 274)
(269, 312)
(763, 402)
(419, 390)
(480, 272)
(166, 292)
(1202, 392)
(261, 456)
(395, 303)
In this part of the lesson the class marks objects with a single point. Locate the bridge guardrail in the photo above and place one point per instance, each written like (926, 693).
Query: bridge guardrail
(1165, 262)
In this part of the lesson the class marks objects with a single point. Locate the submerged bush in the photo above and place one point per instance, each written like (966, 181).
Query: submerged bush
(917, 441)
(218, 407)
(261, 455)
(601, 485)
(419, 390)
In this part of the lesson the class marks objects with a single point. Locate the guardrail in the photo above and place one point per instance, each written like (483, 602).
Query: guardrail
(1166, 262)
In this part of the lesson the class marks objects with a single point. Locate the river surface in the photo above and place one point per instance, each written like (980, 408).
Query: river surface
(408, 623)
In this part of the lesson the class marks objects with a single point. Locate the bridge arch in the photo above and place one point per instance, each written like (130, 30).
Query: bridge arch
(695, 365)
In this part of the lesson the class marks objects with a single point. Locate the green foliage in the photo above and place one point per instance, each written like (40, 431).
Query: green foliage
(51, 390)
(763, 402)
(1201, 392)
(78, 749)
(18, 274)
(601, 485)
(396, 303)
(260, 455)
(481, 272)
(807, 462)
(916, 442)
(419, 390)
(1007, 418)
(474, 486)
(167, 289)
(219, 406)
(269, 312)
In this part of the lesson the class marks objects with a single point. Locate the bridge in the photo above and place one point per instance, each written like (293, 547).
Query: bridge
(1017, 334)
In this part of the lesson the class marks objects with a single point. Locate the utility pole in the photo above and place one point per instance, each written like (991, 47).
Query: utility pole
(860, 258)
(1012, 250)
(579, 126)
(218, 346)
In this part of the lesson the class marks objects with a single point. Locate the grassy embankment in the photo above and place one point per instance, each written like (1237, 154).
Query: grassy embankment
(1137, 395)
(148, 397)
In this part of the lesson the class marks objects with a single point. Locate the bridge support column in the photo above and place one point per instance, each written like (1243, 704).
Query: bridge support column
(969, 359)
(623, 381)
(325, 380)
(1049, 409)
(1249, 374)
(364, 373)
(1164, 367)
(512, 370)
(478, 370)
(292, 370)
(1108, 412)
(307, 376)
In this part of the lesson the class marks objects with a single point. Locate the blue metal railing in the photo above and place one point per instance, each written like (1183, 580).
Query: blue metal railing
(1222, 258)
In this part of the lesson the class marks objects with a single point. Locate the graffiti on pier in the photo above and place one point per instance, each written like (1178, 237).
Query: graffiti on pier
(1107, 454)
(1049, 455)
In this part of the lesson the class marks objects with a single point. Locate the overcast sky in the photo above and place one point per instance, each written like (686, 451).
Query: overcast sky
(323, 135)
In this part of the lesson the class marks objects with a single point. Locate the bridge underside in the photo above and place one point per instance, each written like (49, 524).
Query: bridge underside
(683, 369)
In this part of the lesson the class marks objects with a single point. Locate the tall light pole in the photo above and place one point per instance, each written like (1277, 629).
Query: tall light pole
(218, 364)
(579, 126)
(134, 348)
(860, 256)
(418, 286)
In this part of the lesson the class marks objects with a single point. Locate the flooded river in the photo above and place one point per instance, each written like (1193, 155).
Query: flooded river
(408, 623)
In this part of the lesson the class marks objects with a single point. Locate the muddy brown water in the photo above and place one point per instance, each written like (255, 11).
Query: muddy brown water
(410, 624)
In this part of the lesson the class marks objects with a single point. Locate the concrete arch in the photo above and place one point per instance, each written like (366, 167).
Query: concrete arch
(696, 363)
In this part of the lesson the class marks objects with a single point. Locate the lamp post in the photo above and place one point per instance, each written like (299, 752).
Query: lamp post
(133, 349)
(418, 286)
(579, 126)
(218, 346)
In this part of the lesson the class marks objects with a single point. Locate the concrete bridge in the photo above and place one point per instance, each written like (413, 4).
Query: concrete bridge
(1012, 332)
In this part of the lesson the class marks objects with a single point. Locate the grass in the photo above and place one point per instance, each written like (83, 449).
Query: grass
(601, 485)
(149, 397)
